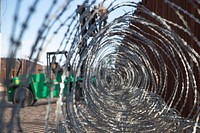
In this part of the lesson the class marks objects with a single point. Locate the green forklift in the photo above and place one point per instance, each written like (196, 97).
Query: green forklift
(27, 90)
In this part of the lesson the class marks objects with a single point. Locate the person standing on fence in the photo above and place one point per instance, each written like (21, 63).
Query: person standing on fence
(92, 22)
(103, 16)
(81, 10)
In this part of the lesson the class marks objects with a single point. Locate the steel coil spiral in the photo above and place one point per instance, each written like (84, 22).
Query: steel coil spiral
(140, 75)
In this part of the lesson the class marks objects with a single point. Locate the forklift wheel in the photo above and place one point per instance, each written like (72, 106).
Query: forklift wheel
(25, 95)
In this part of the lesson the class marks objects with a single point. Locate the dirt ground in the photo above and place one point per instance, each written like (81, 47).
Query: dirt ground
(32, 119)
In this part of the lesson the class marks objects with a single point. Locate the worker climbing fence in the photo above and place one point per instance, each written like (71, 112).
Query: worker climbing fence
(139, 74)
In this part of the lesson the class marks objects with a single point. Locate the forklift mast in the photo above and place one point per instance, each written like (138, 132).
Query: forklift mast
(51, 54)
(20, 66)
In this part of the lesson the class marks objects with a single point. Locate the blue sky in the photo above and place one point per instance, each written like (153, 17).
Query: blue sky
(7, 13)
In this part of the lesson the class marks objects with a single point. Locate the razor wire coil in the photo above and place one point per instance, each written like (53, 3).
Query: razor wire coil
(132, 69)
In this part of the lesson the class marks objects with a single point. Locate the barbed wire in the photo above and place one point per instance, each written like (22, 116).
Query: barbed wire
(133, 60)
